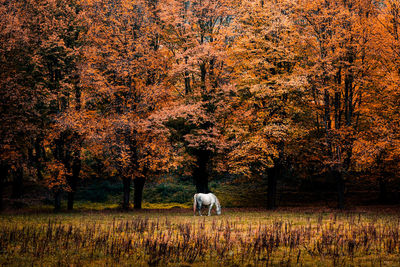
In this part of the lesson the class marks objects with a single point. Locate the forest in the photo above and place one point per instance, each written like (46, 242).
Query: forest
(276, 94)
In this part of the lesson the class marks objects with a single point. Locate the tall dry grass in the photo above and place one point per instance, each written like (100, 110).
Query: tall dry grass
(236, 238)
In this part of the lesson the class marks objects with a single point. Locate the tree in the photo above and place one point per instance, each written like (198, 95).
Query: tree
(124, 76)
(268, 90)
(377, 146)
(336, 35)
(22, 93)
(58, 56)
(195, 34)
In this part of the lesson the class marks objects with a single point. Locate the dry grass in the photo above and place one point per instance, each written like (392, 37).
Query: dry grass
(176, 238)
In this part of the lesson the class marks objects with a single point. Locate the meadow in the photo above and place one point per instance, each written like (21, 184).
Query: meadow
(174, 237)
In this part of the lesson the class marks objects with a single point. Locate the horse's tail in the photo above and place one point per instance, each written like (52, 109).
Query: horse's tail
(194, 204)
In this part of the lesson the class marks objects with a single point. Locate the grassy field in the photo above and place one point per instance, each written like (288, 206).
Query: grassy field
(176, 238)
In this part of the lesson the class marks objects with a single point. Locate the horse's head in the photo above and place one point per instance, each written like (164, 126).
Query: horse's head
(217, 205)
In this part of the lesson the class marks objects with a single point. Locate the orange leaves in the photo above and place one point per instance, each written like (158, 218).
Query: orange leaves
(57, 176)
(148, 85)
(124, 82)
(263, 65)
(253, 156)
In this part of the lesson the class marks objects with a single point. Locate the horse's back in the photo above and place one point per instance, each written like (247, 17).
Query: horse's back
(206, 199)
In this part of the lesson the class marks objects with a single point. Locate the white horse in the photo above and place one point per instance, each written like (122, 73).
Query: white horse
(206, 199)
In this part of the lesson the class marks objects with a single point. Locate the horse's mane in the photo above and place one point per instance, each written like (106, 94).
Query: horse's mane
(217, 201)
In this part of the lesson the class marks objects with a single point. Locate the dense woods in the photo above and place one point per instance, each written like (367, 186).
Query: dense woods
(251, 90)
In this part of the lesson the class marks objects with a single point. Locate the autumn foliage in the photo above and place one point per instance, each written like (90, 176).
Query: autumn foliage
(251, 89)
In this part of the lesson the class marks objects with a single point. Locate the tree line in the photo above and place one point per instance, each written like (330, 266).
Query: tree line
(137, 89)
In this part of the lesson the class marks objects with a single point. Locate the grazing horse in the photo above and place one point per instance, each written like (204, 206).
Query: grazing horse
(206, 199)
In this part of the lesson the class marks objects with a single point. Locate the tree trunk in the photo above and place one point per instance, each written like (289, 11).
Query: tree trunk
(71, 196)
(57, 201)
(138, 184)
(348, 95)
(73, 181)
(17, 183)
(272, 185)
(127, 190)
(203, 73)
(3, 174)
(187, 79)
(340, 189)
(382, 191)
(202, 184)
(327, 117)
(337, 110)
(76, 160)
(187, 83)
(200, 174)
(39, 155)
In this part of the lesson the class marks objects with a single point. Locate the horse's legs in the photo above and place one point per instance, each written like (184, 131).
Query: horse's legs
(199, 208)
(209, 209)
